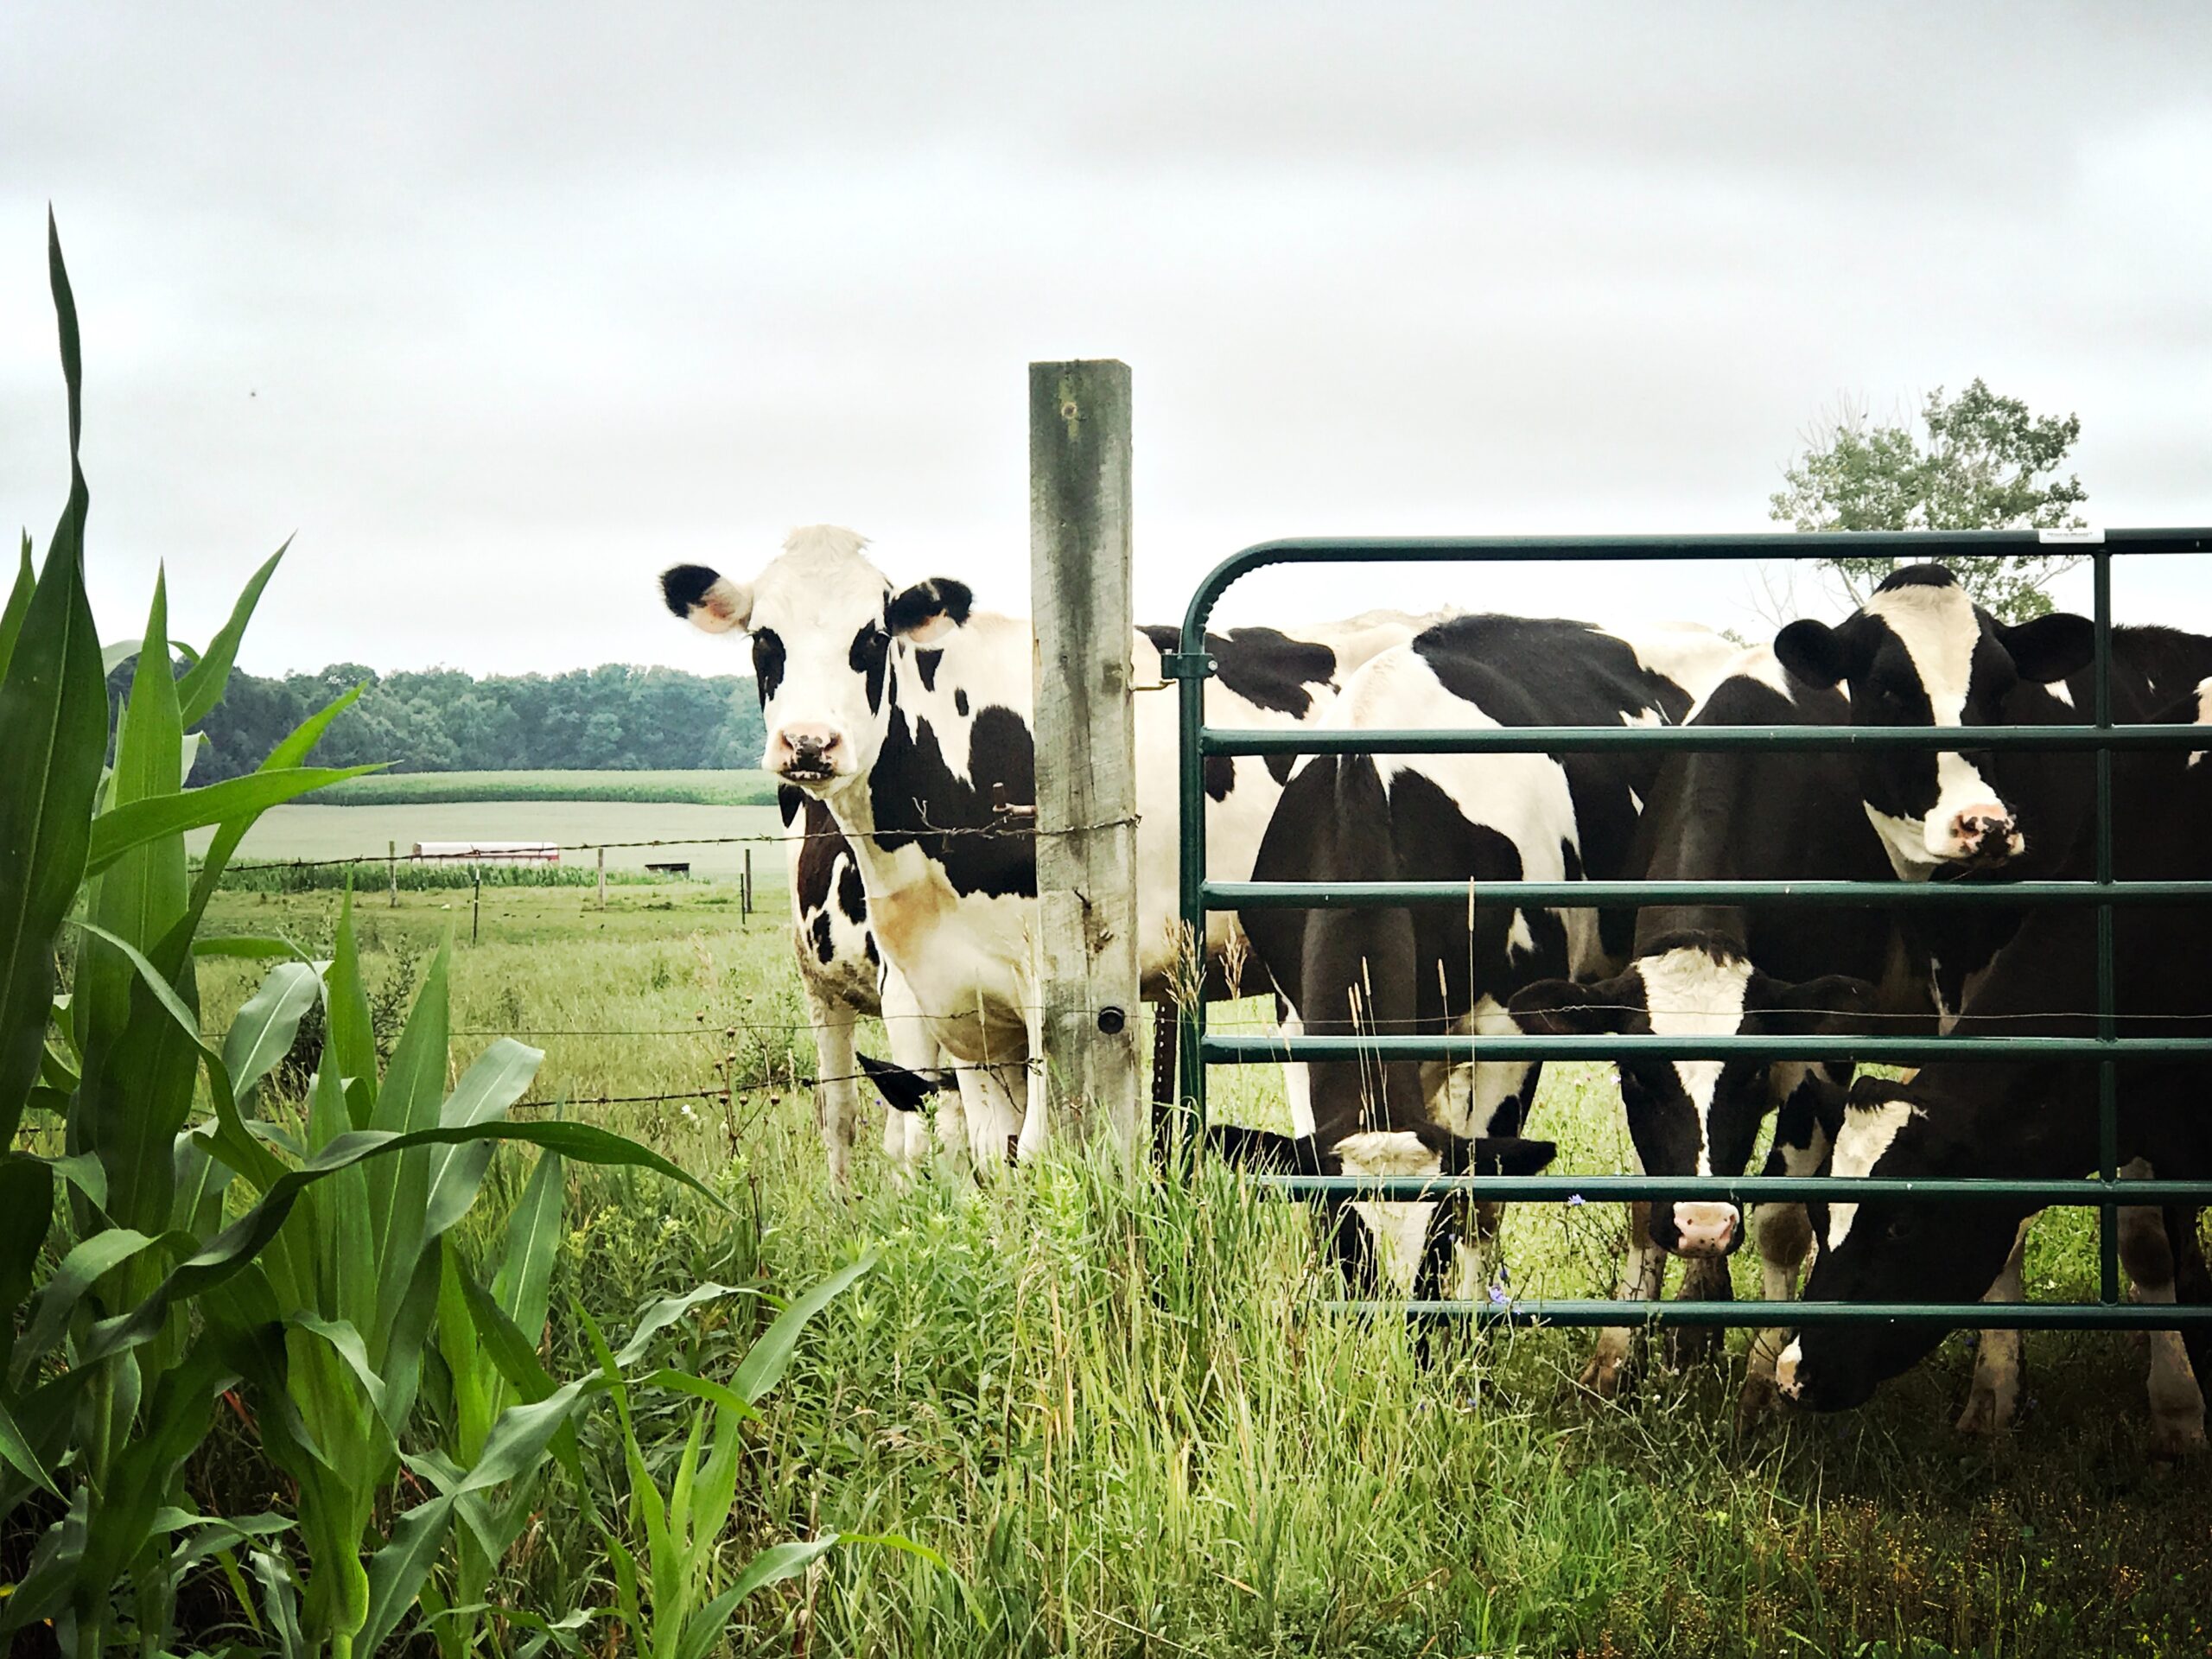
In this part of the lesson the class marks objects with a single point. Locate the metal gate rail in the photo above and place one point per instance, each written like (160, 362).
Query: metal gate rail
(1193, 666)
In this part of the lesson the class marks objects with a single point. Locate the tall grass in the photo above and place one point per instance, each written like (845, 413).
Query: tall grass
(1110, 1403)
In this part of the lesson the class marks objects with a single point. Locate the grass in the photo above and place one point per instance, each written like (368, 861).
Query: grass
(1115, 1408)
(422, 788)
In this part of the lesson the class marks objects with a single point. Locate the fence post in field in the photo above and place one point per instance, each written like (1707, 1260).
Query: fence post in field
(603, 878)
(1084, 955)
(391, 869)
(744, 891)
(476, 904)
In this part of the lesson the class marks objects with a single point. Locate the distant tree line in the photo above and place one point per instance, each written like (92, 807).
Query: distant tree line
(615, 717)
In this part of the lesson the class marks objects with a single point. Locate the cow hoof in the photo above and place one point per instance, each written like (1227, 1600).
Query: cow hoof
(1604, 1374)
(2173, 1440)
(1755, 1404)
(1692, 1344)
(1989, 1411)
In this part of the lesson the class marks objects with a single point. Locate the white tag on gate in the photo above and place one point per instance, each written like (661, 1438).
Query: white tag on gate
(2086, 534)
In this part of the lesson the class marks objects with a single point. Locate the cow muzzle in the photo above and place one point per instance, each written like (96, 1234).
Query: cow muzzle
(1788, 1373)
(805, 755)
(1983, 834)
(1706, 1229)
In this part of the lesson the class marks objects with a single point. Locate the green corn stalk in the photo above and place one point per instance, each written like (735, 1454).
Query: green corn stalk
(112, 1363)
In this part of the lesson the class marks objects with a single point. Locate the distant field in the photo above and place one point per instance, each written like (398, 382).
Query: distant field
(420, 788)
(364, 832)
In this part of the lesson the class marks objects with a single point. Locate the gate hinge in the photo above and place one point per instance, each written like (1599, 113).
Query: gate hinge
(1186, 665)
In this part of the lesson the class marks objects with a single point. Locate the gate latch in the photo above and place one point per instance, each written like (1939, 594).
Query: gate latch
(1186, 665)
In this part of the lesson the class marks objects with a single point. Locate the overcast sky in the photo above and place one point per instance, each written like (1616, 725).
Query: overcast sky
(502, 308)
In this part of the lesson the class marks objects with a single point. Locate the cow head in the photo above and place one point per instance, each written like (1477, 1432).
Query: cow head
(1693, 1117)
(822, 620)
(1921, 653)
(1886, 1251)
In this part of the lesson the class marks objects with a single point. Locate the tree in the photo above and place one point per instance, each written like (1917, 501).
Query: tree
(1987, 463)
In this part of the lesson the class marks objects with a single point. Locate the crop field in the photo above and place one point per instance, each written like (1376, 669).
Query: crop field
(316, 833)
(1113, 1408)
(420, 788)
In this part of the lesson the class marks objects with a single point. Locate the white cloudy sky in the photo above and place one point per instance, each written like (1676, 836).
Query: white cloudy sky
(502, 308)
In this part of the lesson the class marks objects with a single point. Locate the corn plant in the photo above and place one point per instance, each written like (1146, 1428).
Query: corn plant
(168, 1289)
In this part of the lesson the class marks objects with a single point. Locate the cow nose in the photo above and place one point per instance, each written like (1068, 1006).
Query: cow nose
(1704, 1229)
(804, 749)
(1983, 830)
(1785, 1372)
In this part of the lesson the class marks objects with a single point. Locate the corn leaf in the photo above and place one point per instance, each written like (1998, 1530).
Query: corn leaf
(763, 1367)
(19, 601)
(117, 832)
(201, 687)
(53, 742)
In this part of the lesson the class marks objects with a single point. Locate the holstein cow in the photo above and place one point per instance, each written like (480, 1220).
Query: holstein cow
(1920, 652)
(905, 711)
(2036, 1118)
(844, 979)
(1472, 818)
(1738, 969)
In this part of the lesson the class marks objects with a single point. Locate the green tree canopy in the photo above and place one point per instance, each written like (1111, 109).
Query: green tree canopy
(1980, 462)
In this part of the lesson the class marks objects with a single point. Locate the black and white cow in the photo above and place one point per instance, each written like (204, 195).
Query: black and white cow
(1472, 818)
(1919, 653)
(906, 713)
(1734, 969)
(843, 978)
(2036, 1118)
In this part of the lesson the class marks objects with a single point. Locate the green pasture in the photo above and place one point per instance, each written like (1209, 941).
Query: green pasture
(1113, 1408)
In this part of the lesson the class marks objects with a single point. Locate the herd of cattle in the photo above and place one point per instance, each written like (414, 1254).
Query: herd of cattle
(898, 721)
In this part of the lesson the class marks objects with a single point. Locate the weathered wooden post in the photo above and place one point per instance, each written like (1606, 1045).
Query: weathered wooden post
(744, 892)
(1084, 954)
(391, 869)
(603, 878)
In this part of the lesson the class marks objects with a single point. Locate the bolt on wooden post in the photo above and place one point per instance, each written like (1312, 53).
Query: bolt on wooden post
(1084, 951)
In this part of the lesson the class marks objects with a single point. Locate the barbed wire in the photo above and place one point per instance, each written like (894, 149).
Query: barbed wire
(1014, 828)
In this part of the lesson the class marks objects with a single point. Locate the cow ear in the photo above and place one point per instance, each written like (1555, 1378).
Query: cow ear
(1511, 1154)
(902, 1090)
(925, 613)
(1560, 1008)
(1818, 1007)
(1868, 1092)
(2050, 647)
(707, 600)
(1819, 654)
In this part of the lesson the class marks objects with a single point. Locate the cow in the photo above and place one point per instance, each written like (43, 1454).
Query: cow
(1919, 652)
(1462, 818)
(2035, 1118)
(1722, 815)
(844, 979)
(904, 711)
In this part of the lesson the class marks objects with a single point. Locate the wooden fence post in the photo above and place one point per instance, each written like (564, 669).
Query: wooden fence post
(744, 892)
(603, 878)
(391, 869)
(1085, 952)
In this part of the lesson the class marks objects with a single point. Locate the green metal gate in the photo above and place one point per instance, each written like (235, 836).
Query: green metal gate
(1193, 666)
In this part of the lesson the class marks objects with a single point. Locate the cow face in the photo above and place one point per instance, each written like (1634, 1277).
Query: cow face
(822, 620)
(1886, 1251)
(1920, 653)
(1693, 1117)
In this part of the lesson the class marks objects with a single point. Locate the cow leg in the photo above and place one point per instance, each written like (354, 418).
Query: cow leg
(992, 1117)
(2177, 1402)
(836, 1087)
(914, 1046)
(1297, 1080)
(1995, 1395)
(1398, 1233)
(1643, 1273)
(1785, 1236)
(2192, 1281)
